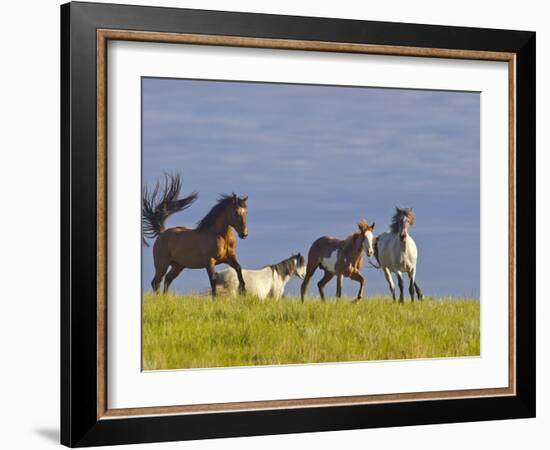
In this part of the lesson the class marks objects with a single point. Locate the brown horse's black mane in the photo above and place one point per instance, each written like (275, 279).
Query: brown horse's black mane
(287, 266)
(223, 201)
(210, 218)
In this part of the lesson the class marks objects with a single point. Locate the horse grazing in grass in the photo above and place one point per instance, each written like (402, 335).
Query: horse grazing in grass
(211, 243)
(343, 258)
(396, 252)
(269, 281)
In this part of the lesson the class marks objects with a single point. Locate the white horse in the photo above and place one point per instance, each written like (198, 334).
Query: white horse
(270, 281)
(396, 252)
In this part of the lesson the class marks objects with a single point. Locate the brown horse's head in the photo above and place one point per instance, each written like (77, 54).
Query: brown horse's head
(237, 215)
(230, 211)
(366, 231)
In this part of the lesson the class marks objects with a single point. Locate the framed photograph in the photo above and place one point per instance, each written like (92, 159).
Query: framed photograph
(276, 224)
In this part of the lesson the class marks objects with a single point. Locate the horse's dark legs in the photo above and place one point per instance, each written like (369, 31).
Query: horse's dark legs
(160, 270)
(389, 279)
(419, 293)
(326, 278)
(310, 270)
(339, 280)
(171, 276)
(232, 262)
(411, 287)
(400, 283)
(211, 270)
(356, 276)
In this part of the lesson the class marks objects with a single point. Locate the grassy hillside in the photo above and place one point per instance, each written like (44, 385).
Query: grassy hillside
(196, 331)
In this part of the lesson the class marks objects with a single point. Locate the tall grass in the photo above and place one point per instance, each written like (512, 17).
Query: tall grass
(195, 331)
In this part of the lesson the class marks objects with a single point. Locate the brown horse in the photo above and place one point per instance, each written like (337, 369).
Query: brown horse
(211, 243)
(343, 258)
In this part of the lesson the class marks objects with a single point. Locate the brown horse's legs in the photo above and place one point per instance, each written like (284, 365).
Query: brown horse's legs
(232, 262)
(171, 276)
(339, 280)
(356, 276)
(303, 288)
(160, 270)
(310, 270)
(326, 278)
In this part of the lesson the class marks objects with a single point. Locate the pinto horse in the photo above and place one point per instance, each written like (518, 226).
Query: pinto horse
(269, 281)
(211, 243)
(343, 258)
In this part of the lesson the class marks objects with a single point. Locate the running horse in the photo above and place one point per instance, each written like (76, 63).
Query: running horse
(396, 252)
(211, 243)
(340, 258)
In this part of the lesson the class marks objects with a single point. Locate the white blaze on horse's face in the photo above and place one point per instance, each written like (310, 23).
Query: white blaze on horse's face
(403, 225)
(369, 243)
(241, 214)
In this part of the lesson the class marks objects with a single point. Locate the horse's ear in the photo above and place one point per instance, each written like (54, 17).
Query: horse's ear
(372, 226)
(241, 201)
(363, 226)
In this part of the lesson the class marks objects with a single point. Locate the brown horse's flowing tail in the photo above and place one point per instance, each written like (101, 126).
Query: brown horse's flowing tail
(162, 202)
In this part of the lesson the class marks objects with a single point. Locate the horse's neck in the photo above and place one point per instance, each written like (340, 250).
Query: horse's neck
(228, 234)
(222, 228)
(407, 242)
(349, 253)
(280, 278)
(355, 251)
(278, 283)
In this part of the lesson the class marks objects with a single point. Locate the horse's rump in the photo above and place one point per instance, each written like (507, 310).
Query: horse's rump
(258, 282)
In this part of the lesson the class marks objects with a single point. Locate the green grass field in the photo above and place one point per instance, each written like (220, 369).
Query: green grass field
(196, 331)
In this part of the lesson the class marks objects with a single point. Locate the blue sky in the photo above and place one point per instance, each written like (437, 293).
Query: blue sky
(314, 160)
